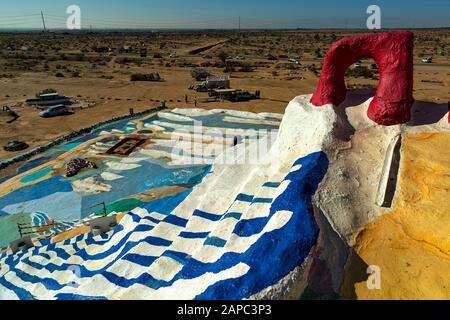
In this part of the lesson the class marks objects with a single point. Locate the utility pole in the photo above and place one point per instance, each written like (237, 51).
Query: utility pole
(239, 24)
(104, 209)
(43, 22)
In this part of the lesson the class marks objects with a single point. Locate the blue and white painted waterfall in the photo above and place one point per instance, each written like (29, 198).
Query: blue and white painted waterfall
(240, 231)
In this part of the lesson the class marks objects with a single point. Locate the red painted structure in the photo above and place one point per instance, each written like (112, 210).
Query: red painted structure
(393, 52)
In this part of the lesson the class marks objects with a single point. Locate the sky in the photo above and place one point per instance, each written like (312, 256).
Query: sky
(219, 14)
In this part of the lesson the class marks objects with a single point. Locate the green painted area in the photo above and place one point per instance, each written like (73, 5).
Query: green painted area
(123, 205)
(36, 175)
(8, 227)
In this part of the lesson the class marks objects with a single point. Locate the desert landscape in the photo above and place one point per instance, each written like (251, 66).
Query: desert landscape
(97, 68)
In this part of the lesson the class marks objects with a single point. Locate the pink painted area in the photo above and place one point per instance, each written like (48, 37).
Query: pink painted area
(393, 52)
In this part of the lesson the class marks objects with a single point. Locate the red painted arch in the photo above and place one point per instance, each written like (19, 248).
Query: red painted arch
(393, 52)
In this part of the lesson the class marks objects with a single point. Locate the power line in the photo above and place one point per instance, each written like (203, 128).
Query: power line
(43, 21)
(25, 15)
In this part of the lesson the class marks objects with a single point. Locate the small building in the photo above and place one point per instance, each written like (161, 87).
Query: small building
(126, 49)
(218, 82)
(49, 99)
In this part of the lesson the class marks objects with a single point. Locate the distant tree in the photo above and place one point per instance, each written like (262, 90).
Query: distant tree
(246, 68)
(222, 56)
(360, 72)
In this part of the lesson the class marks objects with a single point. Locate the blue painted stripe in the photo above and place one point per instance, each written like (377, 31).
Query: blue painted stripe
(215, 241)
(135, 217)
(151, 219)
(144, 261)
(248, 198)
(194, 235)
(244, 197)
(272, 184)
(247, 228)
(180, 257)
(21, 293)
(75, 247)
(172, 219)
(233, 215)
(262, 200)
(48, 283)
(206, 215)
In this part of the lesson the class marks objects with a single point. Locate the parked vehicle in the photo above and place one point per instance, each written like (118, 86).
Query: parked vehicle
(234, 95)
(15, 146)
(245, 96)
(54, 111)
(427, 60)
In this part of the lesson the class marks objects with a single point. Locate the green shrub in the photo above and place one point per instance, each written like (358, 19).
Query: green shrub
(360, 72)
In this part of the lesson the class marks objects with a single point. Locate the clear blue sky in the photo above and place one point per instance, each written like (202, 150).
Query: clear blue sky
(225, 13)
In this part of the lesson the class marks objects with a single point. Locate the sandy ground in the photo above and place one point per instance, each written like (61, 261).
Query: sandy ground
(278, 80)
(36, 131)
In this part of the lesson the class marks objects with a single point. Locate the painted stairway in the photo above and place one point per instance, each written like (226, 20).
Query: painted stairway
(238, 233)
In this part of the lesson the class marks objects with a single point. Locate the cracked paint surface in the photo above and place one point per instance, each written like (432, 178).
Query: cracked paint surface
(411, 243)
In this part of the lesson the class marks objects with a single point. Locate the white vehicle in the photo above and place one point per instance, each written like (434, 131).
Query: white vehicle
(294, 60)
(427, 60)
(358, 64)
(173, 55)
(54, 111)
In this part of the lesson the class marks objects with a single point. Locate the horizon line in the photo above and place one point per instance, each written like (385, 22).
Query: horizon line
(213, 29)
